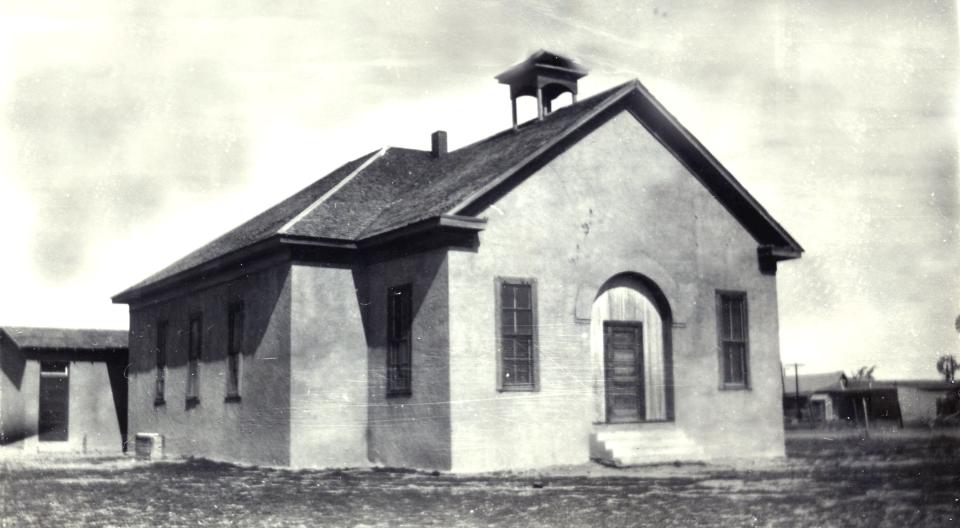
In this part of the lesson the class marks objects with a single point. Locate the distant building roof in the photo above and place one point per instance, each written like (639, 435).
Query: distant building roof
(810, 383)
(934, 385)
(65, 338)
(830, 382)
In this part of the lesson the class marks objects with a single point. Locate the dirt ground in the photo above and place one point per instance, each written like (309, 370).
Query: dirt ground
(827, 480)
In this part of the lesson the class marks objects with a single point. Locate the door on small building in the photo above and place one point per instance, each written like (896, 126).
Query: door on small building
(54, 415)
(623, 368)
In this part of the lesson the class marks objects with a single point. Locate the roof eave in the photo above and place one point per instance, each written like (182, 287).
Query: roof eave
(449, 222)
(141, 291)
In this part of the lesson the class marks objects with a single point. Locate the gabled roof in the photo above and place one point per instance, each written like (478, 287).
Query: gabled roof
(396, 188)
(65, 338)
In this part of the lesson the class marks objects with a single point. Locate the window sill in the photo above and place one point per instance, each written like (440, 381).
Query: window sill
(734, 387)
(399, 394)
(192, 402)
(233, 398)
(518, 388)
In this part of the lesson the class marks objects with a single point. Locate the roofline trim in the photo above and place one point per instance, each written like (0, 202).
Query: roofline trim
(505, 175)
(791, 250)
(250, 251)
(738, 187)
(333, 190)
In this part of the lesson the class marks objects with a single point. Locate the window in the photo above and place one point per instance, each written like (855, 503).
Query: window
(517, 325)
(193, 361)
(732, 329)
(399, 382)
(234, 350)
(161, 352)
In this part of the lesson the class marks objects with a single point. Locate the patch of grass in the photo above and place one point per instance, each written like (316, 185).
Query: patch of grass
(873, 482)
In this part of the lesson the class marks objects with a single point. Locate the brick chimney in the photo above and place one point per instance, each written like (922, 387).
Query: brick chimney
(438, 144)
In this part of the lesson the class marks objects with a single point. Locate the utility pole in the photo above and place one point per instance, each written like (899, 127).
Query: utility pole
(796, 389)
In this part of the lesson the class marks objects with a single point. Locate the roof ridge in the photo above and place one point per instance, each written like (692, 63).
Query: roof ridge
(534, 120)
(333, 190)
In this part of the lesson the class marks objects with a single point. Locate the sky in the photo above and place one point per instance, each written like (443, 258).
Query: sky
(134, 132)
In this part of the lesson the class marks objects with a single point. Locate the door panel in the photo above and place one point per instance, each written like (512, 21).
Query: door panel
(623, 368)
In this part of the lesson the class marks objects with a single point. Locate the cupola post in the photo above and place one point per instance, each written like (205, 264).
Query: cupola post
(543, 75)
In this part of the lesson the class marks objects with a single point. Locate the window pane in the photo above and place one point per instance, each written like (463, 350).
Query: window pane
(523, 296)
(522, 348)
(523, 372)
(508, 296)
(161, 344)
(232, 375)
(235, 339)
(506, 347)
(734, 355)
(194, 338)
(723, 323)
(736, 319)
(509, 371)
(525, 322)
(192, 381)
(508, 322)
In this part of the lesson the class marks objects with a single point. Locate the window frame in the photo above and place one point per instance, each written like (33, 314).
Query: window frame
(160, 352)
(234, 358)
(193, 360)
(534, 384)
(396, 343)
(741, 296)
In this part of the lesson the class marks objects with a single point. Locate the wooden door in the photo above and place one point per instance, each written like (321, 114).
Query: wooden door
(54, 401)
(623, 368)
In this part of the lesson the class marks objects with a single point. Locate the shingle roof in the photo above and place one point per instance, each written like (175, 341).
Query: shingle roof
(396, 187)
(66, 338)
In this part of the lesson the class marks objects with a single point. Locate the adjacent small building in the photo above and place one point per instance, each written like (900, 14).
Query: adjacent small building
(833, 399)
(592, 283)
(63, 390)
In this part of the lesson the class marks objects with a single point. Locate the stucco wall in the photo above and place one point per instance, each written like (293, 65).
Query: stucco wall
(253, 430)
(94, 425)
(410, 431)
(918, 407)
(19, 396)
(328, 369)
(615, 202)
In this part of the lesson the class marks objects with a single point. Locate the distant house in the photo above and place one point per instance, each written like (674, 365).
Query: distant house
(806, 397)
(592, 283)
(63, 389)
(832, 398)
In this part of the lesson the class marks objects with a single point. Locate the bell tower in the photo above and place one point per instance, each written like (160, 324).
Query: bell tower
(544, 75)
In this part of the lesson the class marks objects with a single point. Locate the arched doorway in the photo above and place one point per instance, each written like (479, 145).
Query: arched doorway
(629, 341)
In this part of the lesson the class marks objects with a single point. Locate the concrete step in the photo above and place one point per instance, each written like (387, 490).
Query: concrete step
(628, 447)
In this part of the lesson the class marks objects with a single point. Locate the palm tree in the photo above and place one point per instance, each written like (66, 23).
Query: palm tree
(863, 374)
(947, 366)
